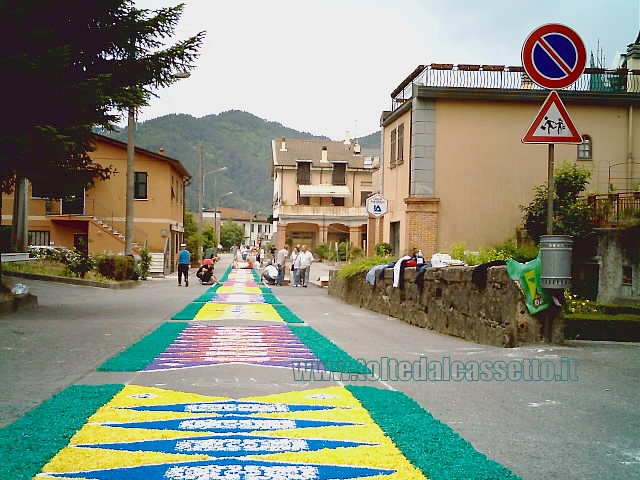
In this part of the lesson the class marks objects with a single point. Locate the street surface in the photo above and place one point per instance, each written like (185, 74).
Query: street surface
(584, 427)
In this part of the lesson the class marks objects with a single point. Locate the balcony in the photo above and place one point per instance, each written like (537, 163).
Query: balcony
(313, 213)
(595, 81)
(614, 210)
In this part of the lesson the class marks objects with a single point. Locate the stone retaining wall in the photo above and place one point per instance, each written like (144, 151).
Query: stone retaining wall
(449, 302)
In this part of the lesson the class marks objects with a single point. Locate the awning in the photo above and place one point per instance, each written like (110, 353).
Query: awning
(324, 191)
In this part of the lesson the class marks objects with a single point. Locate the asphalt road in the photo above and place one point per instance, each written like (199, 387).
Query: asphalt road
(585, 427)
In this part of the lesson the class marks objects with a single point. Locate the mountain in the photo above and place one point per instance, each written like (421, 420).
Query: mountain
(235, 139)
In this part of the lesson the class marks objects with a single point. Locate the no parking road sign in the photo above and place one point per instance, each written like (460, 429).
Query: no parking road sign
(554, 56)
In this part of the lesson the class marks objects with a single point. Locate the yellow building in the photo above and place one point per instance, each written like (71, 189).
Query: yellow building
(319, 192)
(454, 167)
(95, 217)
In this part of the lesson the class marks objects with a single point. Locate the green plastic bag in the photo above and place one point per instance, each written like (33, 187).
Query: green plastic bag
(527, 275)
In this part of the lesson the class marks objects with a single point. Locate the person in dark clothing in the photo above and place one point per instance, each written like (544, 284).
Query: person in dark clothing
(205, 274)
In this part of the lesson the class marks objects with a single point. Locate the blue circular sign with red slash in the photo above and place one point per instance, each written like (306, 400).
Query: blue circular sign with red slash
(554, 56)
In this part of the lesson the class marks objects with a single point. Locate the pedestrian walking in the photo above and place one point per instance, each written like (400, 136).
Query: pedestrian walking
(184, 261)
(306, 259)
(281, 261)
(295, 265)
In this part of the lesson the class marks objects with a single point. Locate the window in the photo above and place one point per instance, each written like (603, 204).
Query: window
(392, 161)
(304, 173)
(363, 198)
(303, 200)
(337, 201)
(585, 150)
(39, 237)
(339, 173)
(627, 275)
(400, 157)
(39, 190)
(140, 186)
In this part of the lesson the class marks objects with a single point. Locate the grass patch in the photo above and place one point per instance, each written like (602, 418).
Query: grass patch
(143, 352)
(329, 354)
(32, 440)
(429, 444)
(42, 266)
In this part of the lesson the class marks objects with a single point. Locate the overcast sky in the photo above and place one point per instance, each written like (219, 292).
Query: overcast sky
(328, 66)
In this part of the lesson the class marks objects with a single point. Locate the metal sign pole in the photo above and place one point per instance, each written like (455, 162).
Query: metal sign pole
(550, 189)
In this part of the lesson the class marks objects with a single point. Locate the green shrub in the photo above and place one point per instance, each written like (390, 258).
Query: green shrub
(322, 251)
(383, 249)
(499, 252)
(117, 267)
(361, 265)
(145, 262)
(79, 263)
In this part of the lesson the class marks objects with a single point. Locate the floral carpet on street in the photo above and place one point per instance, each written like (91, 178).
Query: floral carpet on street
(134, 432)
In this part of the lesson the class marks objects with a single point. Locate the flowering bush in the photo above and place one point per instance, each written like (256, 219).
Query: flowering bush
(574, 304)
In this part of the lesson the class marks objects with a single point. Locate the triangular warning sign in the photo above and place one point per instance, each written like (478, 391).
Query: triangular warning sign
(552, 124)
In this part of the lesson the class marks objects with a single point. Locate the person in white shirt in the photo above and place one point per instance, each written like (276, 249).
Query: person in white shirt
(306, 259)
(295, 266)
(281, 260)
(270, 274)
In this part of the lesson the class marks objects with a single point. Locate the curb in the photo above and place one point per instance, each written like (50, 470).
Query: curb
(18, 302)
(73, 281)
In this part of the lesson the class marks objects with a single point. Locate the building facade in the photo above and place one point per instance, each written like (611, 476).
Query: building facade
(94, 219)
(454, 168)
(257, 228)
(319, 192)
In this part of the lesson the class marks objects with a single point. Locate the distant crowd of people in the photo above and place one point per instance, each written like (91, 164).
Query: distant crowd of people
(273, 268)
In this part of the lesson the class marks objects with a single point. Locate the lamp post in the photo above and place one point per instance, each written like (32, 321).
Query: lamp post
(218, 216)
(201, 194)
(253, 215)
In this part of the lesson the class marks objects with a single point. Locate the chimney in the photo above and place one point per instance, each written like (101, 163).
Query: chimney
(161, 151)
(325, 157)
(283, 146)
(347, 137)
(356, 148)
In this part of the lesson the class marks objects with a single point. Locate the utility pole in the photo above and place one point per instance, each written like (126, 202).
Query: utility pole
(200, 201)
(131, 148)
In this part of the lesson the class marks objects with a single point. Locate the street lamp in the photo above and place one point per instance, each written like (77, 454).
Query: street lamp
(201, 196)
(218, 216)
(253, 215)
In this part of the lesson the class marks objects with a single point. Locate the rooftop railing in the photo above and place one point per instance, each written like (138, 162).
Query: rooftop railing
(594, 80)
(614, 210)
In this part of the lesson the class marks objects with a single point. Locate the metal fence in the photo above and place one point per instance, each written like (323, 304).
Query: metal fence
(594, 80)
(614, 209)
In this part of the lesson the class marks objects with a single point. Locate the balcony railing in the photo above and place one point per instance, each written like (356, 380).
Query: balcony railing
(614, 209)
(314, 212)
(593, 80)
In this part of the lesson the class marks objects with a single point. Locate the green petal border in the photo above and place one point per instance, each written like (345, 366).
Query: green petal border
(430, 445)
(144, 351)
(30, 442)
(332, 356)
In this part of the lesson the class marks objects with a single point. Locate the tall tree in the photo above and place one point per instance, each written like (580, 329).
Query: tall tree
(71, 66)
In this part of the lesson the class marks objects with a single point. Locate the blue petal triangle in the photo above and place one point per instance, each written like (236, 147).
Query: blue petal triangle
(229, 424)
(228, 445)
(231, 407)
(231, 469)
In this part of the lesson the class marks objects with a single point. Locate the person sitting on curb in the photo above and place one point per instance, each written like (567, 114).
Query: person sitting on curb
(270, 274)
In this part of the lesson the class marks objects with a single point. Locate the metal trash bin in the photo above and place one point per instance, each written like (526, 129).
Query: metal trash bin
(555, 259)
